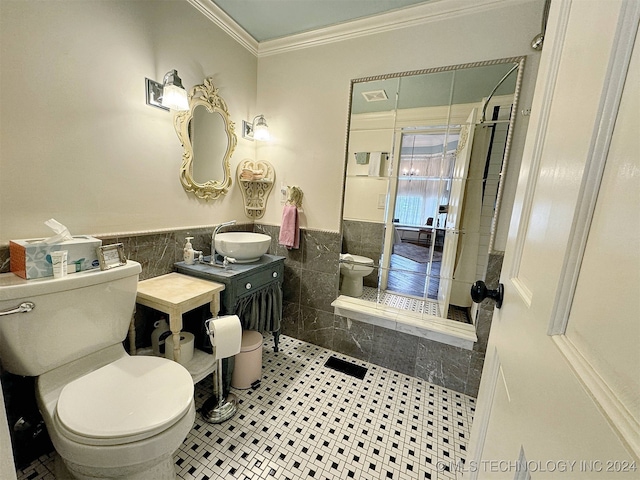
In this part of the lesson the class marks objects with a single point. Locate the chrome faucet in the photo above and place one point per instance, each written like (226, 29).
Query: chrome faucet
(213, 241)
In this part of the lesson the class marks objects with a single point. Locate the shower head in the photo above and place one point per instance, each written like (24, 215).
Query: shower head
(537, 42)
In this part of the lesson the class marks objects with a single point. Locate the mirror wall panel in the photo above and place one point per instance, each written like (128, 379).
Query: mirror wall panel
(422, 181)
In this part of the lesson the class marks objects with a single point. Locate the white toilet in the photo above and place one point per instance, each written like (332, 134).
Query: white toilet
(109, 415)
(353, 269)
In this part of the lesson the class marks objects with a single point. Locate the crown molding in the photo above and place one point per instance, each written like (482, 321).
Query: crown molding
(226, 23)
(435, 10)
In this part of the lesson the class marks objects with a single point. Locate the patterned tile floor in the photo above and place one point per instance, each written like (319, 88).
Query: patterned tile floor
(401, 302)
(412, 304)
(308, 421)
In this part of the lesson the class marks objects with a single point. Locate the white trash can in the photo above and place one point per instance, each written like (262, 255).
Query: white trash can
(247, 371)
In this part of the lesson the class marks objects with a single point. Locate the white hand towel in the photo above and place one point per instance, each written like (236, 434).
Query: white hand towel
(375, 163)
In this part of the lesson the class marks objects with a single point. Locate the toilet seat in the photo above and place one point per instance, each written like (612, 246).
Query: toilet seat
(361, 259)
(128, 400)
(361, 263)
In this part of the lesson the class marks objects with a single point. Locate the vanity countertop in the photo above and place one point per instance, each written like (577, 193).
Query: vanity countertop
(241, 279)
(235, 271)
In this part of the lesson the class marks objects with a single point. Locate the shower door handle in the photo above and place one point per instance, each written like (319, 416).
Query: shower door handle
(479, 292)
(22, 308)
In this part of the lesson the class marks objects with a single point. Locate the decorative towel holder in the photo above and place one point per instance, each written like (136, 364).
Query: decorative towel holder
(256, 181)
(294, 196)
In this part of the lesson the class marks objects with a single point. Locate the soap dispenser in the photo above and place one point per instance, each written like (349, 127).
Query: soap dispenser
(188, 252)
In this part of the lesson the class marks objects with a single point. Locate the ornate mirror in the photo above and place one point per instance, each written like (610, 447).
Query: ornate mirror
(208, 137)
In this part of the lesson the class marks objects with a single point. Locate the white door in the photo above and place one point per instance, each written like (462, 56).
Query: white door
(560, 390)
(454, 212)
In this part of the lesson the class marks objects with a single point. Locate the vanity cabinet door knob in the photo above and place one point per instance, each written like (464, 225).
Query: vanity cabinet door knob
(248, 286)
(274, 274)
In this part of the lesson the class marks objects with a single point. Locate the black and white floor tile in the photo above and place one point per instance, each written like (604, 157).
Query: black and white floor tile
(401, 302)
(412, 304)
(309, 421)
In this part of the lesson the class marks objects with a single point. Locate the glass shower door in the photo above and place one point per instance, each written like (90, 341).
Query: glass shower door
(417, 212)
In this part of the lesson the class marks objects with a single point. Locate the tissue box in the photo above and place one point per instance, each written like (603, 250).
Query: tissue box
(32, 258)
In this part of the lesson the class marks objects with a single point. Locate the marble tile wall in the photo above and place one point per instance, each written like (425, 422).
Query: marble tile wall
(4, 258)
(366, 239)
(310, 285)
(156, 252)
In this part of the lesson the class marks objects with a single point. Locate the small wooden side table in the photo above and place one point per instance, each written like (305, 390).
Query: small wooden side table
(175, 294)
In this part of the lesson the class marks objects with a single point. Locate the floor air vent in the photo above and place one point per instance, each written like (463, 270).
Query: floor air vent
(346, 367)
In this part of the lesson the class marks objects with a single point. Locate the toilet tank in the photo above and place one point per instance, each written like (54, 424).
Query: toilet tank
(73, 316)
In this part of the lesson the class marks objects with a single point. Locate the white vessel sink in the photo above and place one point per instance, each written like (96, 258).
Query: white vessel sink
(245, 247)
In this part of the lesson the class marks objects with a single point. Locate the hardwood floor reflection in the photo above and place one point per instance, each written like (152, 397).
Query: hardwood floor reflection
(407, 277)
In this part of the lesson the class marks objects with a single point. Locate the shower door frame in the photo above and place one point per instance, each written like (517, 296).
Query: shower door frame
(389, 235)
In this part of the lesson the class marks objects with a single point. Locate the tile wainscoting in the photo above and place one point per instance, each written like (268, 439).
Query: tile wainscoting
(310, 285)
(364, 239)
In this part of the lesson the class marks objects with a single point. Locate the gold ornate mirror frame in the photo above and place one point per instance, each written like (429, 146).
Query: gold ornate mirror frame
(207, 96)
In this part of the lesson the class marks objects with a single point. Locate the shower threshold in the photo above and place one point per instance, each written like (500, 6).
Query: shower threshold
(416, 322)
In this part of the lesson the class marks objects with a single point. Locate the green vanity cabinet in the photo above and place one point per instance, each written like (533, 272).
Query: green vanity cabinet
(246, 286)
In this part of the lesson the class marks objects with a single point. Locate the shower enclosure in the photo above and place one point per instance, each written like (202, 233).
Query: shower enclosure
(426, 213)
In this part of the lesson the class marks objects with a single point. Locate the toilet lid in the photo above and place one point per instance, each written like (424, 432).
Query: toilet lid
(129, 397)
(361, 259)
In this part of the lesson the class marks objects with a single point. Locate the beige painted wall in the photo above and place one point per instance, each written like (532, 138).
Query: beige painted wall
(77, 141)
(305, 94)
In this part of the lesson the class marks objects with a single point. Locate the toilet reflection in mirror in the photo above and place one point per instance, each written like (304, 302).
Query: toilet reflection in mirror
(426, 151)
(353, 269)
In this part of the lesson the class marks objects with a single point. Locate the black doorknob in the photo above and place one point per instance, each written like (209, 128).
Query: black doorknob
(479, 292)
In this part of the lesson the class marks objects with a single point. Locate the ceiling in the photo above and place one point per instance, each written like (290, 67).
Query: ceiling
(269, 19)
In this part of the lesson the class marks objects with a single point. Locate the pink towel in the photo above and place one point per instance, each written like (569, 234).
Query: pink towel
(289, 231)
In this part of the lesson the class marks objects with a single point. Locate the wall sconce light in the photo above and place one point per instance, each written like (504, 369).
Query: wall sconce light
(256, 130)
(170, 94)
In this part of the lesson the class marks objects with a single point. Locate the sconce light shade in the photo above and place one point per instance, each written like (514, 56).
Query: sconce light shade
(174, 95)
(261, 129)
(257, 130)
(170, 94)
